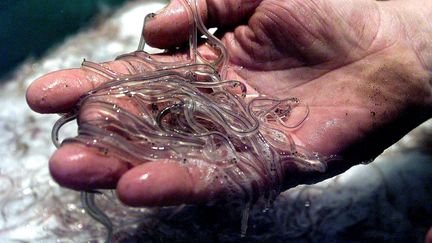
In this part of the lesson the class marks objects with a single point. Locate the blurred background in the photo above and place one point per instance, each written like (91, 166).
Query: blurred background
(29, 27)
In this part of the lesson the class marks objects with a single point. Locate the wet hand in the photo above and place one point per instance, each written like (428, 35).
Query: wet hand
(363, 73)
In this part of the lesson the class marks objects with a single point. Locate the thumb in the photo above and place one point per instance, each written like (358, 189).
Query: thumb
(170, 27)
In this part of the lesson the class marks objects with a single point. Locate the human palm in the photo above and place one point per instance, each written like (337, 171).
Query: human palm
(363, 81)
(344, 59)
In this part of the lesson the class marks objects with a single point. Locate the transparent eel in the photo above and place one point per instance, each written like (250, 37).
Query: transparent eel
(186, 111)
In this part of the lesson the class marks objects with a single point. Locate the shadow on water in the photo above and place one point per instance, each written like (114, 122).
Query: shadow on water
(29, 27)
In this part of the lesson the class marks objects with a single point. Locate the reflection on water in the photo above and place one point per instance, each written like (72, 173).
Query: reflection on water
(388, 199)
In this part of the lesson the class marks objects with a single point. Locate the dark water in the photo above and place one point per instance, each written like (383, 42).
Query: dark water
(29, 27)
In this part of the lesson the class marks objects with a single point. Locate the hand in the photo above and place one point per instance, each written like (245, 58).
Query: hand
(363, 68)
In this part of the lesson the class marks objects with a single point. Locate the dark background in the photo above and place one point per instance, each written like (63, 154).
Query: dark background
(29, 27)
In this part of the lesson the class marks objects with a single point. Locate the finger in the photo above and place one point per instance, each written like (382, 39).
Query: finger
(82, 168)
(59, 91)
(164, 183)
(170, 27)
(167, 182)
(91, 112)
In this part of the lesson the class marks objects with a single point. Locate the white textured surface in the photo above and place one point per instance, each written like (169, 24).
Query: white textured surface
(359, 195)
(25, 143)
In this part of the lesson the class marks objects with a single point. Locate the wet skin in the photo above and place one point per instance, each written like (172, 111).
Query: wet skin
(363, 67)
